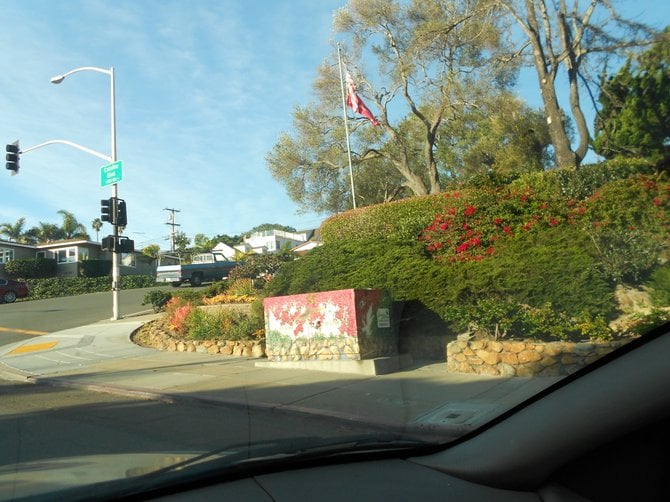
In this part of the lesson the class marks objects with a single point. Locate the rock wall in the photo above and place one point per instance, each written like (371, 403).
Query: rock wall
(162, 339)
(524, 358)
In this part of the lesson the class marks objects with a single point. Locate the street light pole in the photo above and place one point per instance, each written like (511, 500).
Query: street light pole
(116, 284)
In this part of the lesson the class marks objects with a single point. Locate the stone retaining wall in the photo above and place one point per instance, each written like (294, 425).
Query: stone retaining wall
(524, 358)
(161, 339)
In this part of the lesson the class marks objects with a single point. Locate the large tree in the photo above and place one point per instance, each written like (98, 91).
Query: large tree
(71, 228)
(563, 41)
(14, 231)
(431, 62)
(634, 118)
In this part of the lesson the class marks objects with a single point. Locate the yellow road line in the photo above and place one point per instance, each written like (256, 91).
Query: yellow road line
(33, 348)
(23, 331)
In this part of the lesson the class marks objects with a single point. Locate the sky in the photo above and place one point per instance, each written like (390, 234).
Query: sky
(203, 90)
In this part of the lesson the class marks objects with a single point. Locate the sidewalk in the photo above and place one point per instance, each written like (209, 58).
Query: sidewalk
(422, 397)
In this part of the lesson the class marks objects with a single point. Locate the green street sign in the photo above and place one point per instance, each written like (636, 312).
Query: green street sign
(111, 173)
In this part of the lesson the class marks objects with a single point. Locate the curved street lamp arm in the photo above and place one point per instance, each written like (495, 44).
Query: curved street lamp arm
(59, 78)
(69, 143)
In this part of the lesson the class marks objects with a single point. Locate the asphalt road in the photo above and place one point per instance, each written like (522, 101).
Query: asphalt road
(25, 319)
(41, 422)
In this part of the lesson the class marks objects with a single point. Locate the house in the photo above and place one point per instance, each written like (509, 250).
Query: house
(226, 250)
(69, 254)
(273, 241)
(313, 242)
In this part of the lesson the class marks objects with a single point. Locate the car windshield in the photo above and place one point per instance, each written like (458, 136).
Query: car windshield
(240, 233)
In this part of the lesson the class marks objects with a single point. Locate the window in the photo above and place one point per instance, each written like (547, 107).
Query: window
(41, 254)
(67, 255)
(128, 260)
(6, 255)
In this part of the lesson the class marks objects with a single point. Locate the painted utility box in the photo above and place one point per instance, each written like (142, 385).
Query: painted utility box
(348, 324)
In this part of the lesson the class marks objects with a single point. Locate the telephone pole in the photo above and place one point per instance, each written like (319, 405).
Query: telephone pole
(172, 224)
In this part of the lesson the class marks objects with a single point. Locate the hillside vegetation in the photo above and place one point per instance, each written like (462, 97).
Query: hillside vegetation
(539, 256)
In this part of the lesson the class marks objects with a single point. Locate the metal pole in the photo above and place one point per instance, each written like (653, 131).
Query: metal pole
(116, 283)
(346, 127)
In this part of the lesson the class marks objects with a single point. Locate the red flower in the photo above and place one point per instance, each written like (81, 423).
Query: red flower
(462, 248)
(498, 221)
(465, 226)
(657, 201)
(452, 211)
(507, 230)
(438, 245)
(489, 251)
(470, 210)
(553, 222)
(444, 225)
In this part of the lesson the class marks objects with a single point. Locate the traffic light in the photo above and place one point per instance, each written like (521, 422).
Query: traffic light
(108, 243)
(125, 245)
(106, 213)
(118, 244)
(12, 157)
(121, 214)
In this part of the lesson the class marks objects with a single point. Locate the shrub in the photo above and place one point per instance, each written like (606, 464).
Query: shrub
(659, 284)
(222, 325)
(216, 288)
(157, 298)
(401, 220)
(259, 265)
(177, 311)
(189, 295)
(31, 268)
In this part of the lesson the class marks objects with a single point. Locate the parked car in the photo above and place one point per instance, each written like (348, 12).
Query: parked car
(205, 267)
(10, 290)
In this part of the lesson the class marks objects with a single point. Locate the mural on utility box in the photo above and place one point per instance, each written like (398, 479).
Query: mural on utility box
(343, 324)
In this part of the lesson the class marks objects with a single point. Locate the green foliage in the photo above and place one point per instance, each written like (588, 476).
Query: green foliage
(395, 266)
(189, 295)
(222, 325)
(659, 284)
(401, 221)
(69, 286)
(241, 287)
(216, 288)
(31, 268)
(634, 119)
(538, 258)
(95, 268)
(259, 265)
(644, 322)
(152, 251)
(270, 226)
(580, 184)
(495, 318)
(157, 298)
(628, 221)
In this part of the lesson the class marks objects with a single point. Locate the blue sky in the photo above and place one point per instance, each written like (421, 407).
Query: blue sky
(203, 90)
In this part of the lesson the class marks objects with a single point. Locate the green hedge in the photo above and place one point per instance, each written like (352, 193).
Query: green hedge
(70, 286)
(400, 220)
(31, 268)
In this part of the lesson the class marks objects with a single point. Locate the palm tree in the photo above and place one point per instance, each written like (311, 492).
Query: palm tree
(14, 232)
(96, 225)
(45, 232)
(71, 228)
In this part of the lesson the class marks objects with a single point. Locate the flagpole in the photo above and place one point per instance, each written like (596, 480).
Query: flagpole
(346, 127)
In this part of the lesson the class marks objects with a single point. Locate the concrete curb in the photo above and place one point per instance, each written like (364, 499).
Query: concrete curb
(448, 432)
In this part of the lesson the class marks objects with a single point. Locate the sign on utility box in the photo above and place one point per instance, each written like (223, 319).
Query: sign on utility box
(111, 173)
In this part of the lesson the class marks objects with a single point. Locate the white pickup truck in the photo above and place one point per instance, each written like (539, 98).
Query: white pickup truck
(205, 267)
